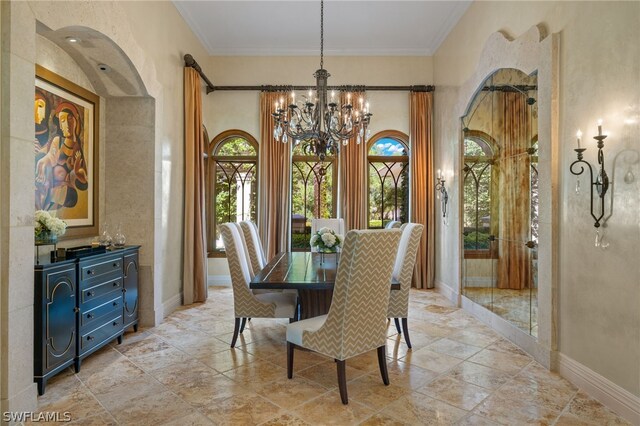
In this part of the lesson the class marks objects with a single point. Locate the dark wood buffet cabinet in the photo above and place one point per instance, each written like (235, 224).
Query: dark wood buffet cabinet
(81, 305)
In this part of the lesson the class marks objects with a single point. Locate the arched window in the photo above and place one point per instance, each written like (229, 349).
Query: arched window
(480, 213)
(313, 194)
(232, 185)
(388, 157)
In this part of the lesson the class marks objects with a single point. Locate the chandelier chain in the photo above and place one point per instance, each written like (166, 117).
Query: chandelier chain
(321, 34)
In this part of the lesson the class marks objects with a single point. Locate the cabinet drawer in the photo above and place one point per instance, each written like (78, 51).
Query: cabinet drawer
(107, 331)
(106, 266)
(106, 310)
(91, 296)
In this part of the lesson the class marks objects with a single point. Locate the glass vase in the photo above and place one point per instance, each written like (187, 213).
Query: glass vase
(46, 238)
(119, 239)
(105, 236)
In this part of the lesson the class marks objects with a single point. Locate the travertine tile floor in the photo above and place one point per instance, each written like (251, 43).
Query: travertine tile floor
(184, 373)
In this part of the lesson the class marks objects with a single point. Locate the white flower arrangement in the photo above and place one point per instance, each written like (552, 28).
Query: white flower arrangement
(326, 239)
(46, 223)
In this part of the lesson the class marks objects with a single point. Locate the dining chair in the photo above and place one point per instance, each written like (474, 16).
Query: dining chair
(403, 273)
(393, 224)
(254, 245)
(357, 319)
(245, 303)
(337, 225)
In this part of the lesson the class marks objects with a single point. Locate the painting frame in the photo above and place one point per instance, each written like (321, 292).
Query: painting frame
(87, 225)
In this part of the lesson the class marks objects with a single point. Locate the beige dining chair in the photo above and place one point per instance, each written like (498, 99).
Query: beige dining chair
(403, 273)
(254, 245)
(245, 303)
(337, 225)
(357, 319)
(393, 224)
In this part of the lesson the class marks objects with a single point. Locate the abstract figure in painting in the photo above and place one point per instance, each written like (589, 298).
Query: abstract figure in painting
(61, 169)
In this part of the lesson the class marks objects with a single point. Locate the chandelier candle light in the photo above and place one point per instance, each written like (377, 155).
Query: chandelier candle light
(321, 123)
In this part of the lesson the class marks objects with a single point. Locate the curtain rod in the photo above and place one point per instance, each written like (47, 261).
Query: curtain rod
(190, 62)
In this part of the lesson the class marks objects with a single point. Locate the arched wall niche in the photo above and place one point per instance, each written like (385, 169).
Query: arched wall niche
(126, 137)
(532, 52)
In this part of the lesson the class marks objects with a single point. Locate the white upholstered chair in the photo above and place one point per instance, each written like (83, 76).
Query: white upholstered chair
(403, 273)
(357, 319)
(337, 225)
(393, 224)
(245, 303)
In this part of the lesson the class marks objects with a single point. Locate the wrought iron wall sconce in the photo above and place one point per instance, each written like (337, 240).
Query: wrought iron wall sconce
(443, 195)
(599, 185)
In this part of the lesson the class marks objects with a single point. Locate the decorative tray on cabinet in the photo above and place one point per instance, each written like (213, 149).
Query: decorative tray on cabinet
(82, 251)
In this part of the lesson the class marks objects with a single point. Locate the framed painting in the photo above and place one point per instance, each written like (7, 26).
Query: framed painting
(66, 152)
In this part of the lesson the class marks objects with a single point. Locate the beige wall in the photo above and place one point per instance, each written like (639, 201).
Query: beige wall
(599, 291)
(240, 110)
(154, 38)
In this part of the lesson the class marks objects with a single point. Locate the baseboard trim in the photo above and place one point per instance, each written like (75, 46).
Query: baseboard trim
(219, 280)
(623, 402)
(171, 305)
(447, 292)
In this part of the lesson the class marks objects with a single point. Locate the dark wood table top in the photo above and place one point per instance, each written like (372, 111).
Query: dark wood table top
(301, 271)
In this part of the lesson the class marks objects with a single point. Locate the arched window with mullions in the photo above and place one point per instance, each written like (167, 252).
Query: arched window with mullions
(313, 193)
(388, 157)
(232, 184)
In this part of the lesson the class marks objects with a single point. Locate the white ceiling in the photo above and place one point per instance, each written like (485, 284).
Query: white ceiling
(356, 28)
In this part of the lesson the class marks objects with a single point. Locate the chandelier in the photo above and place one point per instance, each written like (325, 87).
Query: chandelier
(316, 122)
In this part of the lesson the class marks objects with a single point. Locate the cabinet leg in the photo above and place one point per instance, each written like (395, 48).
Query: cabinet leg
(120, 339)
(76, 365)
(135, 327)
(42, 383)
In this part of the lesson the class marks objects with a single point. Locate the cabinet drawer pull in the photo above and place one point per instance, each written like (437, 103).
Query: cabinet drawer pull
(116, 284)
(90, 338)
(89, 316)
(90, 293)
(76, 309)
(116, 265)
(90, 272)
(115, 323)
(115, 303)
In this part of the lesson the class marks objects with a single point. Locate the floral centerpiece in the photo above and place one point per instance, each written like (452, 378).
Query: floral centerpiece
(48, 227)
(326, 240)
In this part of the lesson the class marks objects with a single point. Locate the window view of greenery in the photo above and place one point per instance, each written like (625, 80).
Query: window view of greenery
(388, 182)
(312, 195)
(236, 185)
(477, 195)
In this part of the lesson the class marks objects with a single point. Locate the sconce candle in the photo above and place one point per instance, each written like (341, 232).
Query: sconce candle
(600, 127)
(579, 135)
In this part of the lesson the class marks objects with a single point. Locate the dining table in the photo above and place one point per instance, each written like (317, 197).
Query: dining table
(312, 274)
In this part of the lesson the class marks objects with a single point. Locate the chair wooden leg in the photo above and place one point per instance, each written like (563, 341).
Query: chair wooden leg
(244, 322)
(290, 348)
(342, 381)
(397, 325)
(382, 362)
(405, 328)
(236, 329)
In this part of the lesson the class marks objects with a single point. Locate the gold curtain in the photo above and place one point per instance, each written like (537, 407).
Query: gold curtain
(274, 182)
(353, 177)
(514, 263)
(422, 184)
(194, 244)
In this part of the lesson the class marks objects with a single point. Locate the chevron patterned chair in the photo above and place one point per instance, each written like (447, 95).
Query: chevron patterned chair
(403, 272)
(357, 318)
(254, 245)
(245, 303)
